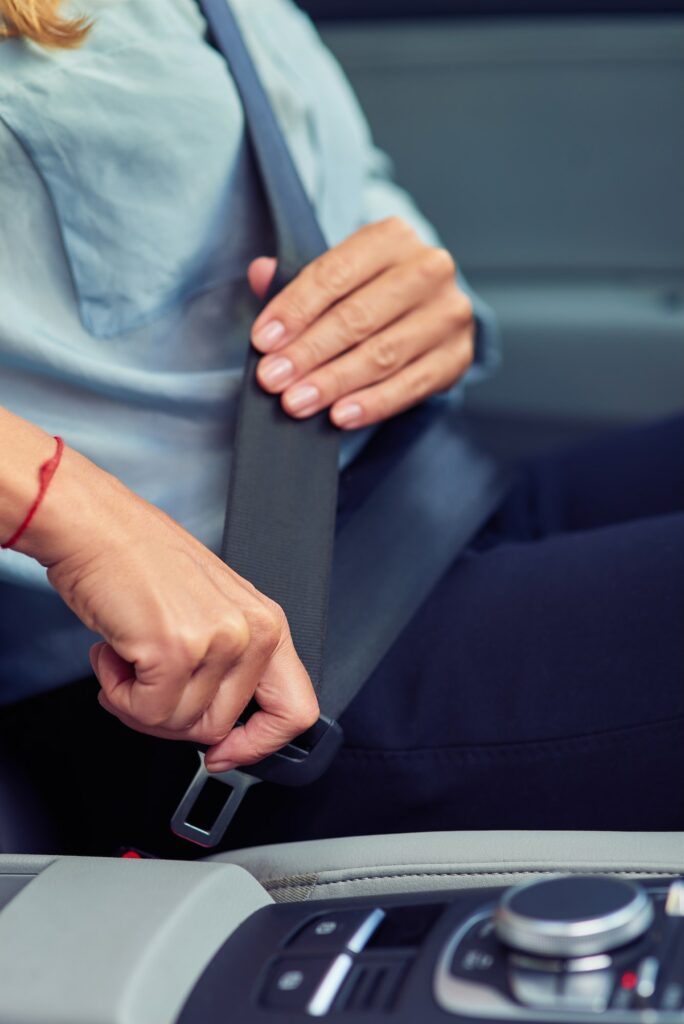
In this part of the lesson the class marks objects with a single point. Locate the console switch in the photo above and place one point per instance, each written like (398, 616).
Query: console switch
(330, 933)
(292, 983)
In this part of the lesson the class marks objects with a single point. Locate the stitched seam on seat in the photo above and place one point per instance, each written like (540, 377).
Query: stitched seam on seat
(285, 883)
(489, 874)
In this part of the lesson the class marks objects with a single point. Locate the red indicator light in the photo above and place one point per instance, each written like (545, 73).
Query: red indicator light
(131, 855)
(629, 980)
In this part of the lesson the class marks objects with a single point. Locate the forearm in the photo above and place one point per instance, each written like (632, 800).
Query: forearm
(67, 503)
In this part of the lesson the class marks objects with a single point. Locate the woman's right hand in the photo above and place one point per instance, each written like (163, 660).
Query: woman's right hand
(187, 642)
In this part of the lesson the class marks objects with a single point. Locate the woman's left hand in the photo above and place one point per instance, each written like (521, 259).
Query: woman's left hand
(370, 328)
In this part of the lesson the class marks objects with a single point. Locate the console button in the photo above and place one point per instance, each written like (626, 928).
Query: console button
(330, 933)
(407, 926)
(647, 977)
(674, 903)
(291, 983)
(477, 954)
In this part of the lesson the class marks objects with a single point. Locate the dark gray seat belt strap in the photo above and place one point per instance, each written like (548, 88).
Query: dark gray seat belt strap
(282, 502)
(282, 498)
(393, 551)
(280, 518)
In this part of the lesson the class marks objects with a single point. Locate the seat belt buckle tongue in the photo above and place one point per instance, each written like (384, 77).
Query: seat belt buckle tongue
(206, 810)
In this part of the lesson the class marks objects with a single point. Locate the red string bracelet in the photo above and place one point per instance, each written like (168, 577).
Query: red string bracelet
(45, 475)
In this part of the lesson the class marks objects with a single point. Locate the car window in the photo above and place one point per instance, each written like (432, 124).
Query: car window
(391, 9)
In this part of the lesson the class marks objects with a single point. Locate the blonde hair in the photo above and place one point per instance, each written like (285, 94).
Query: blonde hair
(41, 21)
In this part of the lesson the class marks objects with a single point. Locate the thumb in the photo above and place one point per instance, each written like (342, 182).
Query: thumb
(288, 707)
(260, 274)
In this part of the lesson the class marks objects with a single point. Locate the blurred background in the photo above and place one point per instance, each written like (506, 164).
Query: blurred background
(545, 140)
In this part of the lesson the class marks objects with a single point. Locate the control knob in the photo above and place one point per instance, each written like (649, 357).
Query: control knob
(573, 916)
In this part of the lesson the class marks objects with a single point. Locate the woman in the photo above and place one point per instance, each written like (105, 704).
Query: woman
(134, 240)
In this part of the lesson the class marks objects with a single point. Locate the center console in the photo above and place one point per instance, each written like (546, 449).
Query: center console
(564, 949)
(96, 941)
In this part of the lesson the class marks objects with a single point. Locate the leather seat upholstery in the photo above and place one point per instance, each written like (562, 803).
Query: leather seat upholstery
(373, 865)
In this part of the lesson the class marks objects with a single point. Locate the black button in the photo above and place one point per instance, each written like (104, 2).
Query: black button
(405, 927)
(291, 983)
(479, 952)
(329, 933)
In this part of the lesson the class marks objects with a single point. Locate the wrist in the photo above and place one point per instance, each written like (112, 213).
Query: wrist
(70, 511)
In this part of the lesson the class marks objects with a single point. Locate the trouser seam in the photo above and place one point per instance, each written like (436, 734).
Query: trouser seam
(520, 748)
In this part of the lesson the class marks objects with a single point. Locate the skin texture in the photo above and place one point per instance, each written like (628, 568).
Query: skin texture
(187, 642)
(372, 327)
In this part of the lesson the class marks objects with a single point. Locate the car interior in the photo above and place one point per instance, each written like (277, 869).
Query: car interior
(567, 216)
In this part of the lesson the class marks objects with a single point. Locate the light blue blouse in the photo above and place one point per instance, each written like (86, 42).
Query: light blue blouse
(129, 213)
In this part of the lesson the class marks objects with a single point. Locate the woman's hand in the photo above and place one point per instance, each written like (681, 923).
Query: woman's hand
(188, 642)
(370, 328)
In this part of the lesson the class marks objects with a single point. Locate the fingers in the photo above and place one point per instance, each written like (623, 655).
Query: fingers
(285, 694)
(171, 684)
(164, 698)
(260, 274)
(326, 280)
(288, 708)
(351, 322)
(381, 356)
(429, 374)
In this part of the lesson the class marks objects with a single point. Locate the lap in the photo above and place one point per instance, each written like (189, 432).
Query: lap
(617, 477)
(541, 685)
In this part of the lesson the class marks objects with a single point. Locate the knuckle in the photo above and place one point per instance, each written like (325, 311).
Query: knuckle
(468, 308)
(267, 627)
(354, 320)
(150, 718)
(214, 735)
(294, 311)
(458, 310)
(398, 227)
(423, 384)
(185, 649)
(384, 353)
(437, 264)
(233, 634)
(313, 351)
(332, 274)
(333, 381)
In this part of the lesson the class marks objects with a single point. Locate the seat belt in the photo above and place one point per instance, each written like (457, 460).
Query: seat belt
(280, 519)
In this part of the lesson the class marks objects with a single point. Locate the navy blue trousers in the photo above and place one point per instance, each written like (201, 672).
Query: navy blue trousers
(542, 683)
(540, 686)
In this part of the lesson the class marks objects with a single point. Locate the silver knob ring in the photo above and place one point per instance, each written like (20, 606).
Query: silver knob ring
(567, 938)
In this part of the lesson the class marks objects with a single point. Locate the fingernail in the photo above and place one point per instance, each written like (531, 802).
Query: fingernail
(276, 372)
(220, 766)
(303, 398)
(269, 335)
(348, 415)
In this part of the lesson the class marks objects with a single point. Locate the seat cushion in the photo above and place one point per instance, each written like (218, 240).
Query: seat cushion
(429, 861)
